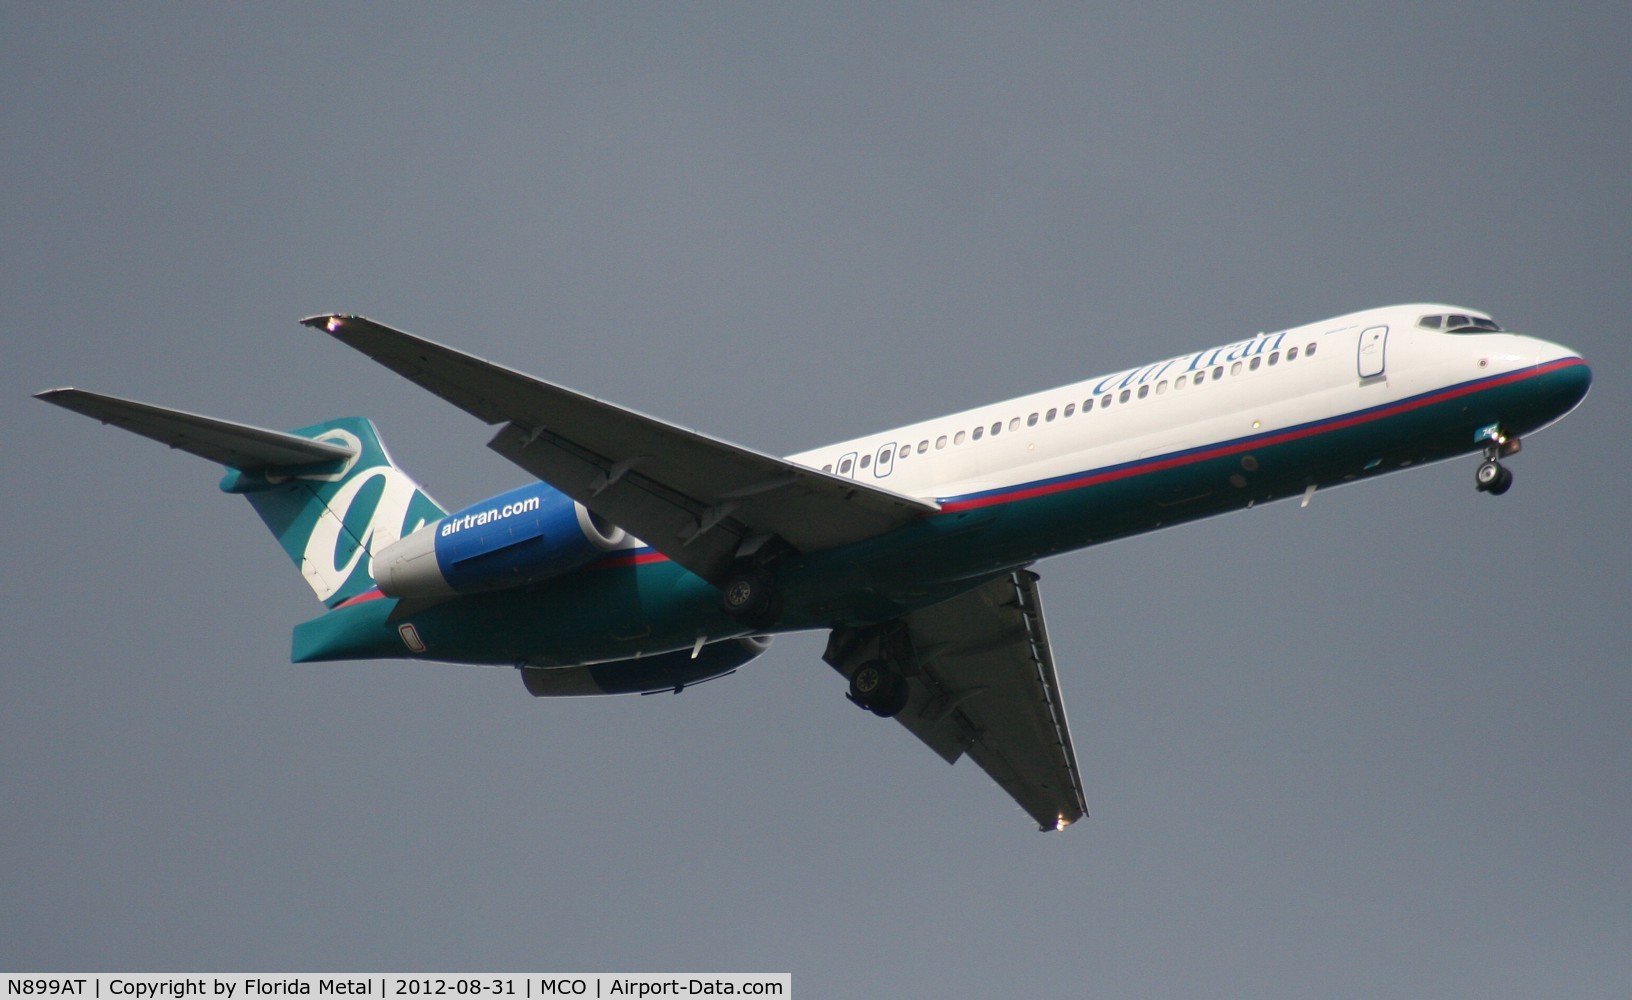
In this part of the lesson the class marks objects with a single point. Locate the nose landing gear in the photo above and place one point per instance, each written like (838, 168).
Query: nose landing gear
(1492, 476)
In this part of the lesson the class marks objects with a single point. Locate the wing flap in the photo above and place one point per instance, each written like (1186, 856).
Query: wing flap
(696, 499)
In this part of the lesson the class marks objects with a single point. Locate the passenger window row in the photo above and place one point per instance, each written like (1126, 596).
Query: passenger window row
(848, 464)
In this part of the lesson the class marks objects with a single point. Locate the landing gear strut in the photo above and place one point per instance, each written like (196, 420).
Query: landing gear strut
(1492, 476)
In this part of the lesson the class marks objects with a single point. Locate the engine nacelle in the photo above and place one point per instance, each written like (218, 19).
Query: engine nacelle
(664, 672)
(516, 538)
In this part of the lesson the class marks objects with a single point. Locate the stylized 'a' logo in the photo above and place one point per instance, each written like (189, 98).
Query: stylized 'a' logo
(331, 542)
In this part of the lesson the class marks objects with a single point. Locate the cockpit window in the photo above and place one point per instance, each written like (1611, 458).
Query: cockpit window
(1458, 323)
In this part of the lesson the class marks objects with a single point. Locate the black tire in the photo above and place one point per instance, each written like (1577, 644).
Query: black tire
(1489, 476)
(750, 596)
(870, 679)
(878, 689)
(1503, 483)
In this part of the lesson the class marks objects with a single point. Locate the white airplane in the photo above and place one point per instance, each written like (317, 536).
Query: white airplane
(649, 557)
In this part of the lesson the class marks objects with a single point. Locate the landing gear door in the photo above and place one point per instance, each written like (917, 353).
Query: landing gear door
(1373, 351)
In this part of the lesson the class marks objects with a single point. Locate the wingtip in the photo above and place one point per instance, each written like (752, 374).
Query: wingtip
(327, 322)
(59, 396)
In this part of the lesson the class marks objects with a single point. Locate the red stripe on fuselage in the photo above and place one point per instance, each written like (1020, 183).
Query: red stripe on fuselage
(637, 559)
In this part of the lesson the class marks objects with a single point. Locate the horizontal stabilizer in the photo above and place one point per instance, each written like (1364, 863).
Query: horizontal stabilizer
(239, 446)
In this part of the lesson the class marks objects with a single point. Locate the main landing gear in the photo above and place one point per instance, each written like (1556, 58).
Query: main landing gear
(876, 659)
(878, 689)
(1492, 476)
(751, 596)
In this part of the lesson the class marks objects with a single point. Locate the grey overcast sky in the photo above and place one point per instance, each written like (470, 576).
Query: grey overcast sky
(1375, 748)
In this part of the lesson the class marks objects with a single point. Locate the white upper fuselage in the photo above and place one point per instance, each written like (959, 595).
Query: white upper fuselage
(1248, 387)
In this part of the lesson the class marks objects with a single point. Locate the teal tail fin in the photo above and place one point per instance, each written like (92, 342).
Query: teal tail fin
(329, 492)
(332, 517)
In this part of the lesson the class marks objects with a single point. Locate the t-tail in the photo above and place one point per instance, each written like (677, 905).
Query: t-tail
(329, 492)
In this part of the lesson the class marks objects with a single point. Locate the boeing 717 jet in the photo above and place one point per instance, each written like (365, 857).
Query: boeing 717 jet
(647, 557)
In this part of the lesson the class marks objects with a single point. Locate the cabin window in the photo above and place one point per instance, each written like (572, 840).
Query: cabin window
(1218, 373)
(1254, 363)
(940, 442)
(1291, 354)
(1070, 408)
(1014, 424)
(977, 432)
(844, 467)
(1178, 384)
(827, 468)
(866, 460)
(1050, 414)
(997, 428)
(957, 438)
(1200, 377)
(1309, 351)
(1144, 391)
(906, 450)
(1235, 369)
(923, 446)
(1161, 387)
(1124, 395)
(1105, 401)
(1031, 421)
(1274, 357)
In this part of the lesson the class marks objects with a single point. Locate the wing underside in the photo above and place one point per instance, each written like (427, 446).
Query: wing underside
(982, 683)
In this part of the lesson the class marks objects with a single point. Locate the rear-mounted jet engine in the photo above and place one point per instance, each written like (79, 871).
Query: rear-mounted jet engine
(516, 538)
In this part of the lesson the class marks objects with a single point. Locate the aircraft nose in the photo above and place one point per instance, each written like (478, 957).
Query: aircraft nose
(1564, 374)
(1574, 381)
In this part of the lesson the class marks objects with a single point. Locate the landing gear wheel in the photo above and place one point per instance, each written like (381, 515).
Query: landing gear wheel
(750, 596)
(878, 689)
(1493, 478)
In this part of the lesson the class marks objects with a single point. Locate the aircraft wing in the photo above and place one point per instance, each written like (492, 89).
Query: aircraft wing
(982, 682)
(696, 499)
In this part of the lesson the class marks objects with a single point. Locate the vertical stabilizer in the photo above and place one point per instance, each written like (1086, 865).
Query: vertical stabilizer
(332, 518)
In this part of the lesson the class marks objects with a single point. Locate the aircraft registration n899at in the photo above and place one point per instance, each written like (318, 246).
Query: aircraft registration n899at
(647, 557)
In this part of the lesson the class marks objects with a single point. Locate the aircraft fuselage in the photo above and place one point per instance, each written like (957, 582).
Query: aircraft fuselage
(1221, 429)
